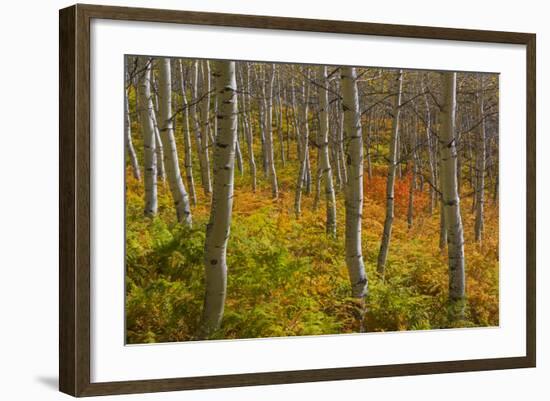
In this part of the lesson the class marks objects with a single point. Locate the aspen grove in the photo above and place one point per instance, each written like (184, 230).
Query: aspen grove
(268, 199)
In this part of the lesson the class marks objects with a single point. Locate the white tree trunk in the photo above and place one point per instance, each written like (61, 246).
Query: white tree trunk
(392, 164)
(341, 152)
(199, 135)
(304, 148)
(449, 187)
(414, 172)
(433, 193)
(128, 140)
(307, 177)
(166, 129)
(218, 228)
(295, 119)
(354, 183)
(148, 133)
(262, 118)
(188, 160)
(159, 148)
(271, 171)
(324, 161)
(335, 136)
(367, 146)
(247, 114)
(480, 167)
(279, 118)
(205, 104)
(238, 154)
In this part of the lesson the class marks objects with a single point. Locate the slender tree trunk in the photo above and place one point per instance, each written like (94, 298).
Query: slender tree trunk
(433, 183)
(398, 167)
(318, 174)
(205, 123)
(279, 117)
(148, 132)
(249, 133)
(392, 164)
(188, 159)
(318, 171)
(296, 123)
(238, 155)
(161, 174)
(472, 162)
(412, 186)
(128, 140)
(271, 171)
(324, 160)
(410, 209)
(480, 168)
(367, 147)
(171, 161)
(304, 147)
(205, 104)
(341, 153)
(442, 223)
(449, 189)
(458, 166)
(263, 123)
(262, 118)
(336, 152)
(287, 120)
(354, 183)
(159, 149)
(218, 228)
(199, 136)
(307, 177)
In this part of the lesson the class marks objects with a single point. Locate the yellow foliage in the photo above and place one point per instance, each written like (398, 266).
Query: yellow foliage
(285, 276)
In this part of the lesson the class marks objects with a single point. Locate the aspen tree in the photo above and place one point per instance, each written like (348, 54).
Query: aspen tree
(159, 148)
(149, 141)
(340, 143)
(367, 147)
(449, 189)
(218, 228)
(415, 167)
(128, 139)
(238, 155)
(295, 119)
(480, 165)
(262, 117)
(325, 166)
(187, 160)
(390, 183)
(200, 137)
(271, 171)
(354, 183)
(279, 119)
(429, 141)
(247, 108)
(166, 129)
(304, 149)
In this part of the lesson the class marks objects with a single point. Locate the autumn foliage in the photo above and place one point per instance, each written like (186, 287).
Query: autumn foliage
(286, 277)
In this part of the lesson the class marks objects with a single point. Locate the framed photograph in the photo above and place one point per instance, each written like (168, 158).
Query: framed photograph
(249, 200)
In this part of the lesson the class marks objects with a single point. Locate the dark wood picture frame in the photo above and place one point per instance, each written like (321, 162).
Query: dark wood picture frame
(74, 199)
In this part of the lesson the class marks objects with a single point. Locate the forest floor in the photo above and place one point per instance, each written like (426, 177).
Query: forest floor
(286, 277)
